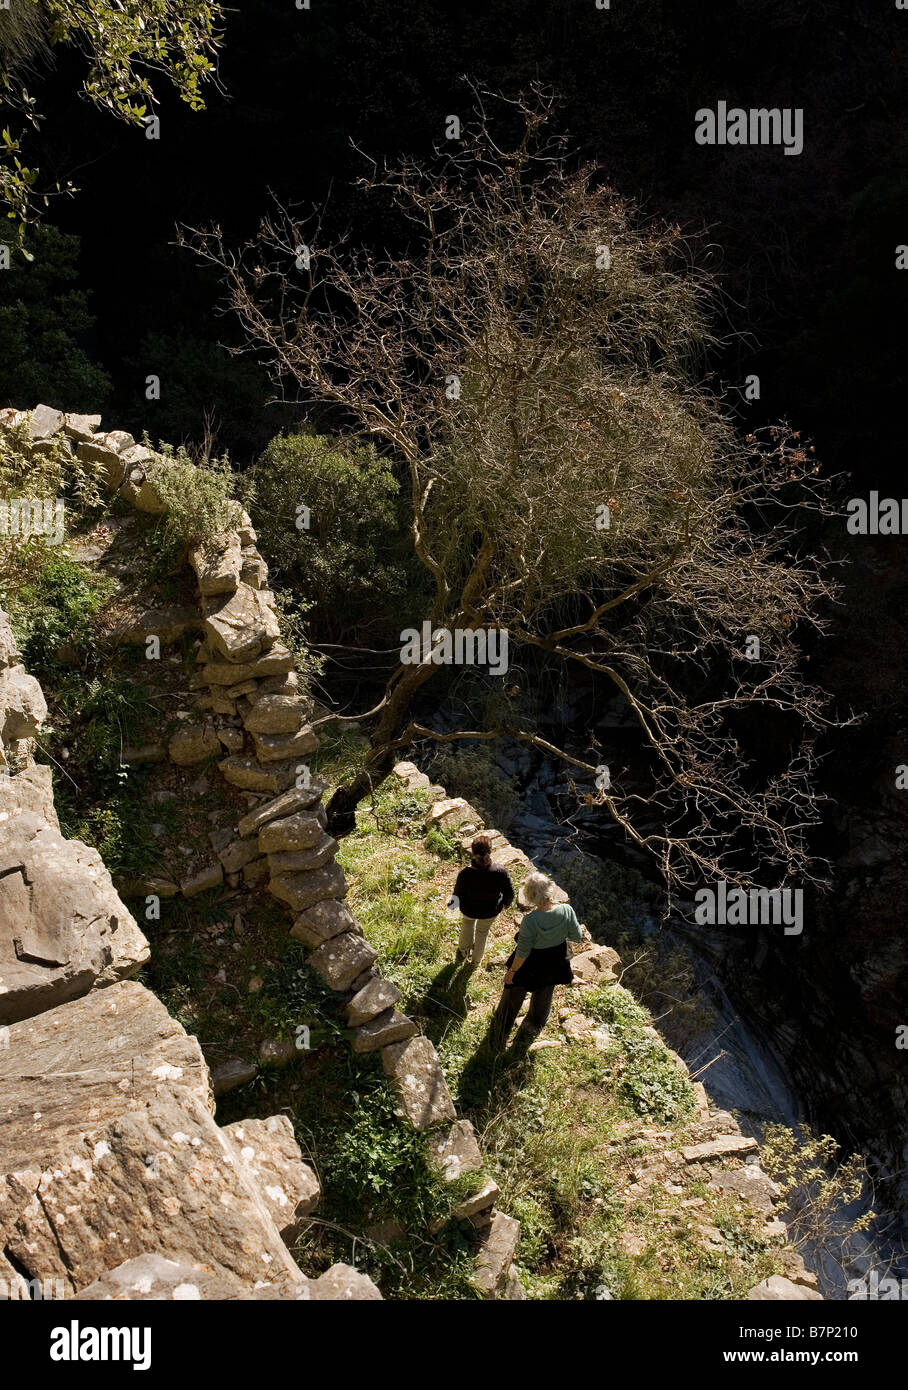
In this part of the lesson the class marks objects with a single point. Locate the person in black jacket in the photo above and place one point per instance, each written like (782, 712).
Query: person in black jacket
(481, 892)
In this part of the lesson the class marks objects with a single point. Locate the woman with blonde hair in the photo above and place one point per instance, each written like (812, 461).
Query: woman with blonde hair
(540, 961)
(481, 892)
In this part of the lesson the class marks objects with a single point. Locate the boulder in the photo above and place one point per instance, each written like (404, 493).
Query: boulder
(273, 1160)
(253, 570)
(104, 454)
(341, 959)
(161, 1178)
(373, 999)
(9, 654)
(419, 1081)
(342, 1283)
(217, 564)
(71, 1070)
(63, 928)
(194, 743)
(153, 1278)
(300, 891)
(277, 714)
(322, 921)
(240, 627)
(23, 708)
(596, 965)
(297, 799)
(298, 831)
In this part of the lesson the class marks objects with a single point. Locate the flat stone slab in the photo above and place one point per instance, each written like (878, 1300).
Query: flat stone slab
(484, 1197)
(242, 625)
(287, 804)
(373, 999)
(322, 921)
(340, 960)
(217, 564)
(752, 1184)
(726, 1146)
(499, 1246)
(230, 1074)
(276, 661)
(455, 1150)
(391, 1026)
(155, 1278)
(63, 927)
(273, 748)
(272, 1156)
(73, 1069)
(249, 774)
(300, 891)
(303, 860)
(451, 812)
(299, 831)
(419, 1081)
(277, 714)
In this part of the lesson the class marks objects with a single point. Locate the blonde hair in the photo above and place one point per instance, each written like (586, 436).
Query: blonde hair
(539, 890)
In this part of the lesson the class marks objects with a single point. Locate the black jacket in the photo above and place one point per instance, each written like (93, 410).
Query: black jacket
(483, 892)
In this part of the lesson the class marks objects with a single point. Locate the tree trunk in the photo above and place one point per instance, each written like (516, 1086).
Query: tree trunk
(382, 755)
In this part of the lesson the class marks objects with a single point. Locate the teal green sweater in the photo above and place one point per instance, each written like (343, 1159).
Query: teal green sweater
(547, 927)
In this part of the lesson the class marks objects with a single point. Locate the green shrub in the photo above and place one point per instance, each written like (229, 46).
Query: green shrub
(198, 497)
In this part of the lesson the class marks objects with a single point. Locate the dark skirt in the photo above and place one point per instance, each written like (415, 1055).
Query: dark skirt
(543, 968)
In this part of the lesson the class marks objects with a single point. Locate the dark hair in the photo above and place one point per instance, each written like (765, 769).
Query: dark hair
(481, 848)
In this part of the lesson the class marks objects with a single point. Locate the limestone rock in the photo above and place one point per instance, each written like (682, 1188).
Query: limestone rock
(450, 812)
(484, 1197)
(162, 1177)
(276, 661)
(167, 624)
(304, 860)
(723, 1147)
(242, 626)
(81, 428)
(237, 855)
(29, 791)
(496, 1256)
(194, 743)
(390, 1026)
(322, 921)
(373, 999)
(9, 654)
(63, 927)
(212, 876)
(71, 1070)
(271, 748)
(297, 799)
(23, 708)
(250, 775)
(298, 831)
(44, 422)
(217, 564)
(102, 452)
(417, 1076)
(595, 965)
(455, 1150)
(300, 891)
(751, 1183)
(779, 1289)
(342, 1283)
(341, 959)
(273, 1160)
(153, 1278)
(230, 1074)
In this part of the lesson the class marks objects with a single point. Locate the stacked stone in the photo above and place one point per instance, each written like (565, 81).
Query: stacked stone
(250, 682)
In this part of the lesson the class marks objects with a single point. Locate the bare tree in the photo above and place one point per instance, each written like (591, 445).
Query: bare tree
(535, 364)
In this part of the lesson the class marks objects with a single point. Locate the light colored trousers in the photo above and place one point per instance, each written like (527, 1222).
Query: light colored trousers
(474, 933)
